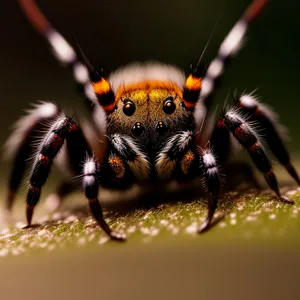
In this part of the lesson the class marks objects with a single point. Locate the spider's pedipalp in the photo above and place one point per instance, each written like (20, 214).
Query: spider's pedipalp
(173, 150)
(266, 119)
(125, 147)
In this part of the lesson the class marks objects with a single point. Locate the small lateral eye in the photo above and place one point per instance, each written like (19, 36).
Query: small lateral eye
(169, 105)
(128, 108)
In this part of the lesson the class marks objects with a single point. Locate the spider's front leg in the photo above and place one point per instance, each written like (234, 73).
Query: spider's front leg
(179, 157)
(91, 173)
(48, 150)
(212, 181)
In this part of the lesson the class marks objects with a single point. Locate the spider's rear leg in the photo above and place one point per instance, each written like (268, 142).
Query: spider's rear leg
(267, 120)
(21, 144)
(70, 164)
(221, 143)
(247, 137)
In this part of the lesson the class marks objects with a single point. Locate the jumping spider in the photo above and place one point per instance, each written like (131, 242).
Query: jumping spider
(153, 122)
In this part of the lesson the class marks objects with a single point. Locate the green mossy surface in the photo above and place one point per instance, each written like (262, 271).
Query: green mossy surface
(250, 218)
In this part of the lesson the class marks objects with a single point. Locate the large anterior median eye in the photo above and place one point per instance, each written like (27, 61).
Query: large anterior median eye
(128, 108)
(169, 105)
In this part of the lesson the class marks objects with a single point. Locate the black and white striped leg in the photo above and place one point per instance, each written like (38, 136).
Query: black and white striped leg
(212, 181)
(91, 174)
(221, 143)
(20, 144)
(267, 120)
(62, 50)
(247, 137)
(70, 163)
(229, 47)
(48, 150)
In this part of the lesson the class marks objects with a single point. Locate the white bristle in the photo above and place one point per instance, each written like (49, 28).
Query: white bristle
(138, 72)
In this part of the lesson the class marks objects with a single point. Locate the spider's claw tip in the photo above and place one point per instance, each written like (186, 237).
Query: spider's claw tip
(116, 236)
(204, 227)
(286, 200)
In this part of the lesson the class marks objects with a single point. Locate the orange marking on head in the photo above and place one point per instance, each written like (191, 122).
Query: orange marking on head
(109, 107)
(193, 83)
(147, 86)
(101, 87)
(189, 104)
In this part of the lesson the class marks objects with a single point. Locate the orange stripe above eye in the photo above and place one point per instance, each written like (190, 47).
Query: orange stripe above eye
(147, 86)
(193, 83)
(101, 87)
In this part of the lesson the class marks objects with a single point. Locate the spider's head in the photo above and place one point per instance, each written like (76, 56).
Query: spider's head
(148, 102)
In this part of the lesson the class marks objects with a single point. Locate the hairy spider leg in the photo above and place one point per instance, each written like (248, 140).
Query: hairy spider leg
(263, 116)
(179, 157)
(48, 150)
(229, 47)
(21, 144)
(91, 182)
(209, 168)
(91, 82)
(246, 136)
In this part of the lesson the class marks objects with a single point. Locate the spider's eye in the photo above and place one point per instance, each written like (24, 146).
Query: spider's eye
(128, 108)
(138, 129)
(162, 128)
(169, 105)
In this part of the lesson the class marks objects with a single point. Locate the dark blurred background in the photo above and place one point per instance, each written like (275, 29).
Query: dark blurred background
(113, 33)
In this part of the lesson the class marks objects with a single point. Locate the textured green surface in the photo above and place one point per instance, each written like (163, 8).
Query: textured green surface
(251, 218)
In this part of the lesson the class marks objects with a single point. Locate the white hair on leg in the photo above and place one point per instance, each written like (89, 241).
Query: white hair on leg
(138, 72)
(25, 125)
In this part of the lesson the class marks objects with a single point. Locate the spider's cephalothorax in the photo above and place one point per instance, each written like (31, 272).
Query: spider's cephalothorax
(154, 122)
